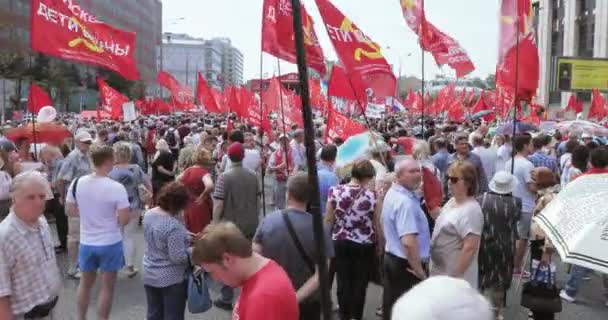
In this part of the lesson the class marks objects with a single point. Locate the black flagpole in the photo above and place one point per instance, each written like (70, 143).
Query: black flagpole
(313, 179)
(261, 133)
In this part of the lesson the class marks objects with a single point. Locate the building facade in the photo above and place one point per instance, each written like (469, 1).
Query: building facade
(144, 17)
(184, 56)
(571, 28)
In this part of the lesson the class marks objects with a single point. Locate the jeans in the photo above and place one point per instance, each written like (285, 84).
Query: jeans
(279, 194)
(226, 294)
(354, 265)
(575, 278)
(167, 303)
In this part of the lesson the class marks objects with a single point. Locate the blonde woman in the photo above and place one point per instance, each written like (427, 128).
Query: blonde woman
(130, 176)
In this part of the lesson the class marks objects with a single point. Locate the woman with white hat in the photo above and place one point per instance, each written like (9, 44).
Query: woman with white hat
(501, 212)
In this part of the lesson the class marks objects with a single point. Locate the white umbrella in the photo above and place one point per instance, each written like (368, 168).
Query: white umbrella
(576, 220)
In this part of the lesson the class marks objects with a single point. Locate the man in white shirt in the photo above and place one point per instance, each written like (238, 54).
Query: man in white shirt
(487, 156)
(103, 207)
(525, 190)
(252, 160)
(298, 150)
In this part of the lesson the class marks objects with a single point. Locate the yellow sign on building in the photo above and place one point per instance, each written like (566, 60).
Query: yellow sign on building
(582, 74)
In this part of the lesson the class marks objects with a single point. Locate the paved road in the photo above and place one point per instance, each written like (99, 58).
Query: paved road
(130, 301)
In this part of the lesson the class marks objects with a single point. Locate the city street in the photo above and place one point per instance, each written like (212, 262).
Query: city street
(130, 300)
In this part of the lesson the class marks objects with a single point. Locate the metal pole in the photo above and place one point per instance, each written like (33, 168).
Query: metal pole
(261, 133)
(515, 98)
(312, 163)
(422, 53)
(286, 145)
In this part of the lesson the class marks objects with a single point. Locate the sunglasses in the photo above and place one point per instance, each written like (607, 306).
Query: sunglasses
(453, 180)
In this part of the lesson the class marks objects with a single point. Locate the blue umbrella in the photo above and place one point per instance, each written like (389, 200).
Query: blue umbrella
(480, 114)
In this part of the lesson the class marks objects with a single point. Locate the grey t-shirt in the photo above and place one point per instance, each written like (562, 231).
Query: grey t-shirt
(272, 234)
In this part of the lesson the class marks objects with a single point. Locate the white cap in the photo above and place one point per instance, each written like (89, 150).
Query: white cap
(83, 136)
(586, 135)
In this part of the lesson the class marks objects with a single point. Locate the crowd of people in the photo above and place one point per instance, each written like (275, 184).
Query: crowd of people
(430, 211)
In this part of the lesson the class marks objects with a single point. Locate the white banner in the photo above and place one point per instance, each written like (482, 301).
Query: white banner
(128, 111)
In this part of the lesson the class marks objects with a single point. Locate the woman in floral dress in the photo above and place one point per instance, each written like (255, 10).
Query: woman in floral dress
(352, 211)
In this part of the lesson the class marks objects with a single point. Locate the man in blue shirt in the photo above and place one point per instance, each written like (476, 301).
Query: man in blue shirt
(539, 158)
(440, 158)
(325, 171)
(406, 229)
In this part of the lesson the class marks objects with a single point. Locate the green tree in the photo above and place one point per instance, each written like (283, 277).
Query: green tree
(491, 81)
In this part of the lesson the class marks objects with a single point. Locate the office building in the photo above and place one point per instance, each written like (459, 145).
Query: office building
(184, 56)
(571, 28)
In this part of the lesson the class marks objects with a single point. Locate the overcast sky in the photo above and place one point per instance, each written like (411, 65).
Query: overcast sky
(472, 22)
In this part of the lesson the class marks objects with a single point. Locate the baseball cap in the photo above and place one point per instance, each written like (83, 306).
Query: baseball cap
(84, 136)
(236, 152)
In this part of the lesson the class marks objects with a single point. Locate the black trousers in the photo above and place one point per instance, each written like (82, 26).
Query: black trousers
(397, 281)
(354, 265)
(536, 253)
(310, 310)
(57, 210)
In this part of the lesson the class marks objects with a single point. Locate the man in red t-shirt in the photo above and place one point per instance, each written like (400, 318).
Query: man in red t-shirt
(266, 291)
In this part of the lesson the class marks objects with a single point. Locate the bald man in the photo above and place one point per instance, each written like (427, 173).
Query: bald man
(406, 229)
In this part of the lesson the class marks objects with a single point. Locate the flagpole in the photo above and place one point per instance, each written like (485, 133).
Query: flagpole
(286, 145)
(422, 67)
(261, 133)
(311, 161)
(516, 98)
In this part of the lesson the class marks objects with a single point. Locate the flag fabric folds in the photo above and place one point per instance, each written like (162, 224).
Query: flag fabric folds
(360, 56)
(444, 49)
(111, 99)
(278, 35)
(338, 125)
(517, 71)
(66, 30)
(182, 95)
(205, 96)
(574, 105)
(597, 110)
(37, 99)
(341, 86)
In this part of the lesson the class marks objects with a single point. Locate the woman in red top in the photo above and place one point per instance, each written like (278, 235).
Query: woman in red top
(199, 183)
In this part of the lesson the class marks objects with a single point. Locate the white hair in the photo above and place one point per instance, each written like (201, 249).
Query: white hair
(421, 150)
(30, 177)
(457, 301)
(401, 163)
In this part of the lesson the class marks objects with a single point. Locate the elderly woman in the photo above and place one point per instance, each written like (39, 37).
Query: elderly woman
(52, 158)
(185, 155)
(163, 166)
(26, 249)
(455, 240)
(166, 255)
(199, 183)
(131, 177)
(352, 212)
(501, 211)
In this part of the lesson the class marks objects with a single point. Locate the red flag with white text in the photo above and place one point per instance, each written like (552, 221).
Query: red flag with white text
(65, 30)
(338, 125)
(111, 99)
(37, 99)
(360, 56)
(444, 48)
(278, 35)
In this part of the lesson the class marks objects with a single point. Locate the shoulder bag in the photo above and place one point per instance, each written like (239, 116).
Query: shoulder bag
(199, 300)
(296, 241)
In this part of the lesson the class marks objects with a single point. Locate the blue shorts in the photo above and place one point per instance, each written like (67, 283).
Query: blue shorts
(108, 258)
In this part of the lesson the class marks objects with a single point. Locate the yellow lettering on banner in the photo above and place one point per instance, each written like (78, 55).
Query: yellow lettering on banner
(308, 33)
(408, 4)
(374, 53)
(91, 46)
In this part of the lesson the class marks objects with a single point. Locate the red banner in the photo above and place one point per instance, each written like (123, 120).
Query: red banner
(444, 49)
(574, 105)
(361, 57)
(111, 99)
(278, 36)
(518, 62)
(182, 95)
(597, 109)
(63, 29)
(341, 126)
(345, 87)
(205, 96)
(37, 99)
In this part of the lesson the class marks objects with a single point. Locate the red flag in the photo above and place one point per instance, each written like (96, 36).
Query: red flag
(161, 106)
(341, 126)
(597, 109)
(444, 49)
(182, 95)
(278, 36)
(111, 99)
(411, 96)
(471, 99)
(481, 105)
(518, 54)
(64, 29)
(37, 99)
(345, 87)
(317, 99)
(360, 56)
(574, 105)
(456, 111)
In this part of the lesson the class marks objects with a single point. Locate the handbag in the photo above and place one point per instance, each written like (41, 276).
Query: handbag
(541, 296)
(199, 300)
